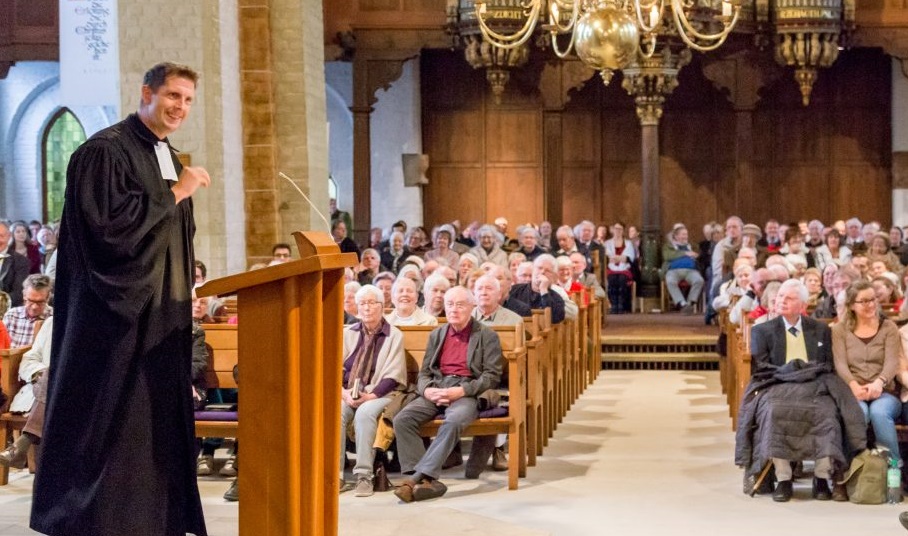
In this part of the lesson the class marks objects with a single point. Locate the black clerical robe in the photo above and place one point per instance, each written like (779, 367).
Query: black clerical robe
(118, 452)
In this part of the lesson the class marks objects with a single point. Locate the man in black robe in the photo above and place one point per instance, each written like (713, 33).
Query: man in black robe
(118, 453)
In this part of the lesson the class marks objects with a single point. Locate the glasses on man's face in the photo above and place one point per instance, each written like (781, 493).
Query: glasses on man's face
(456, 305)
(372, 303)
(282, 255)
(865, 302)
(36, 302)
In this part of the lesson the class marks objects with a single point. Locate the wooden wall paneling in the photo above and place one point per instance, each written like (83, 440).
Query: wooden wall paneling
(454, 136)
(688, 193)
(802, 192)
(800, 135)
(513, 136)
(856, 136)
(861, 190)
(455, 192)
(515, 193)
(621, 193)
(581, 193)
(581, 134)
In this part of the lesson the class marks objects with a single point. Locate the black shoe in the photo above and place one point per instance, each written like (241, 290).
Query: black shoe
(903, 519)
(233, 492)
(782, 492)
(821, 489)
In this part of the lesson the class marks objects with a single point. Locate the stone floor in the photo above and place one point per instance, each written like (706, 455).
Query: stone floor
(641, 453)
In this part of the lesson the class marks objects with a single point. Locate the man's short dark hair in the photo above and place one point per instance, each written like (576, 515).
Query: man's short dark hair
(39, 282)
(201, 266)
(157, 75)
(280, 245)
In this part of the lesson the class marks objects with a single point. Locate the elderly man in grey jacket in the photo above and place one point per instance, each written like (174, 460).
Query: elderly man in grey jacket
(463, 360)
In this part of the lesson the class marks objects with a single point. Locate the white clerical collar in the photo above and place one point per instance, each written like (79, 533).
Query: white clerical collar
(165, 161)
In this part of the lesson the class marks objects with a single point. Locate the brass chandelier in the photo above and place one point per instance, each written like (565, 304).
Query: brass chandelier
(607, 35)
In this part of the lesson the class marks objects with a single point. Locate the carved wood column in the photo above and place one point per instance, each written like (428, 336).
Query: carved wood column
(742, 75)
(650, 81)
(372, 70)
(557, 80)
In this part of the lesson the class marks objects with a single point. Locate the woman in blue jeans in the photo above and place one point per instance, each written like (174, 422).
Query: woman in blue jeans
(865, 347)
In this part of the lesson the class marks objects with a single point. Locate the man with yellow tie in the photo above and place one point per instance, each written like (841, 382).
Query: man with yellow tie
(792, 336)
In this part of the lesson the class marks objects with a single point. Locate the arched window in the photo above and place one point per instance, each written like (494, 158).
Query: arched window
(332, 187)
(64, 134)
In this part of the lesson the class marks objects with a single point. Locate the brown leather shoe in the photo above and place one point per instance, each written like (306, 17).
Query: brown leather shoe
(404, 492)
(429, 490)
(499, 460)
(839, 493)
(14, 457)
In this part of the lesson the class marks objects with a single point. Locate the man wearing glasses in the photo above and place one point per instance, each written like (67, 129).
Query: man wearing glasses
(463, 360)
(20, 321)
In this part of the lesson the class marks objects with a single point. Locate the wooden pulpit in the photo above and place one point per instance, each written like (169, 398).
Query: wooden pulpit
(290, 320)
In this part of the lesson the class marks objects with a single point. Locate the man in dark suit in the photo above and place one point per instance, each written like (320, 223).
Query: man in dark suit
(13, 269)
(785, 338)
(462, 361)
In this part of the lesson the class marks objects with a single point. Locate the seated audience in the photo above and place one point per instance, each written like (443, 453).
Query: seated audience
(828, 306)
(280, 253)
(339, 233)
(14, 270)
(514, 260)
(383, 281)
(887, 293)
(468, 262)
(33, 371)
(565, 275)
(350, 309)
(585, 278)
(680, 264)
(861, 264)
(767, 310)
(472, 277)
(393, 256)
(524, 273)
(20, 321)
(406, 312)
(434, 295)
(620, 254)
(750, 300)
(585, 233)
(545, 236)
(448, 273)
(529, 244)
(832, 251)
(462, 360)
(732, 290)
(374, 366)
(797, 415)
(505, 282)
(443, 238)
(796, 255)
(369, 266)
(813, 280)
(23, 244)
(879, 249)
(542, 292)
(216, 308)
(489, 248)
(866, 349)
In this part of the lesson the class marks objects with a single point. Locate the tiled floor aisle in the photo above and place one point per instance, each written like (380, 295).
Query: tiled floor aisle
(642, 453)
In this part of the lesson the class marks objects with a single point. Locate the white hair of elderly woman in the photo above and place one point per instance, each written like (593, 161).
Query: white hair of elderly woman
(368, 290)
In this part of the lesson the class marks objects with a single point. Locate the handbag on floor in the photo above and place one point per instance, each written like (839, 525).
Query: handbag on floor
(866, 478)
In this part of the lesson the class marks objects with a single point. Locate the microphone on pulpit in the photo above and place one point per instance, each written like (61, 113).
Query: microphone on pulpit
(311, 204)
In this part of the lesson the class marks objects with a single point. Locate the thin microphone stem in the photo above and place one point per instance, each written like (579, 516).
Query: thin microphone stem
(306, 197)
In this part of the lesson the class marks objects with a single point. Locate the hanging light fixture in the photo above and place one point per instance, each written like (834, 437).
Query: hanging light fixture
(608, 35)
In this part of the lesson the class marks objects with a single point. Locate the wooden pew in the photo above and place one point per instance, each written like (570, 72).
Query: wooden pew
(514, 424)
(223, 355)
(10, 423)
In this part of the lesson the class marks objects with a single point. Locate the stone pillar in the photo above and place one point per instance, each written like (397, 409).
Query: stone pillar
(282, 88)
(202, 35)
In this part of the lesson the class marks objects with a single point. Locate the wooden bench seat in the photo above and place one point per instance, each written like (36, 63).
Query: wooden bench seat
(223, 354)
(514, 424)
(9, 422)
